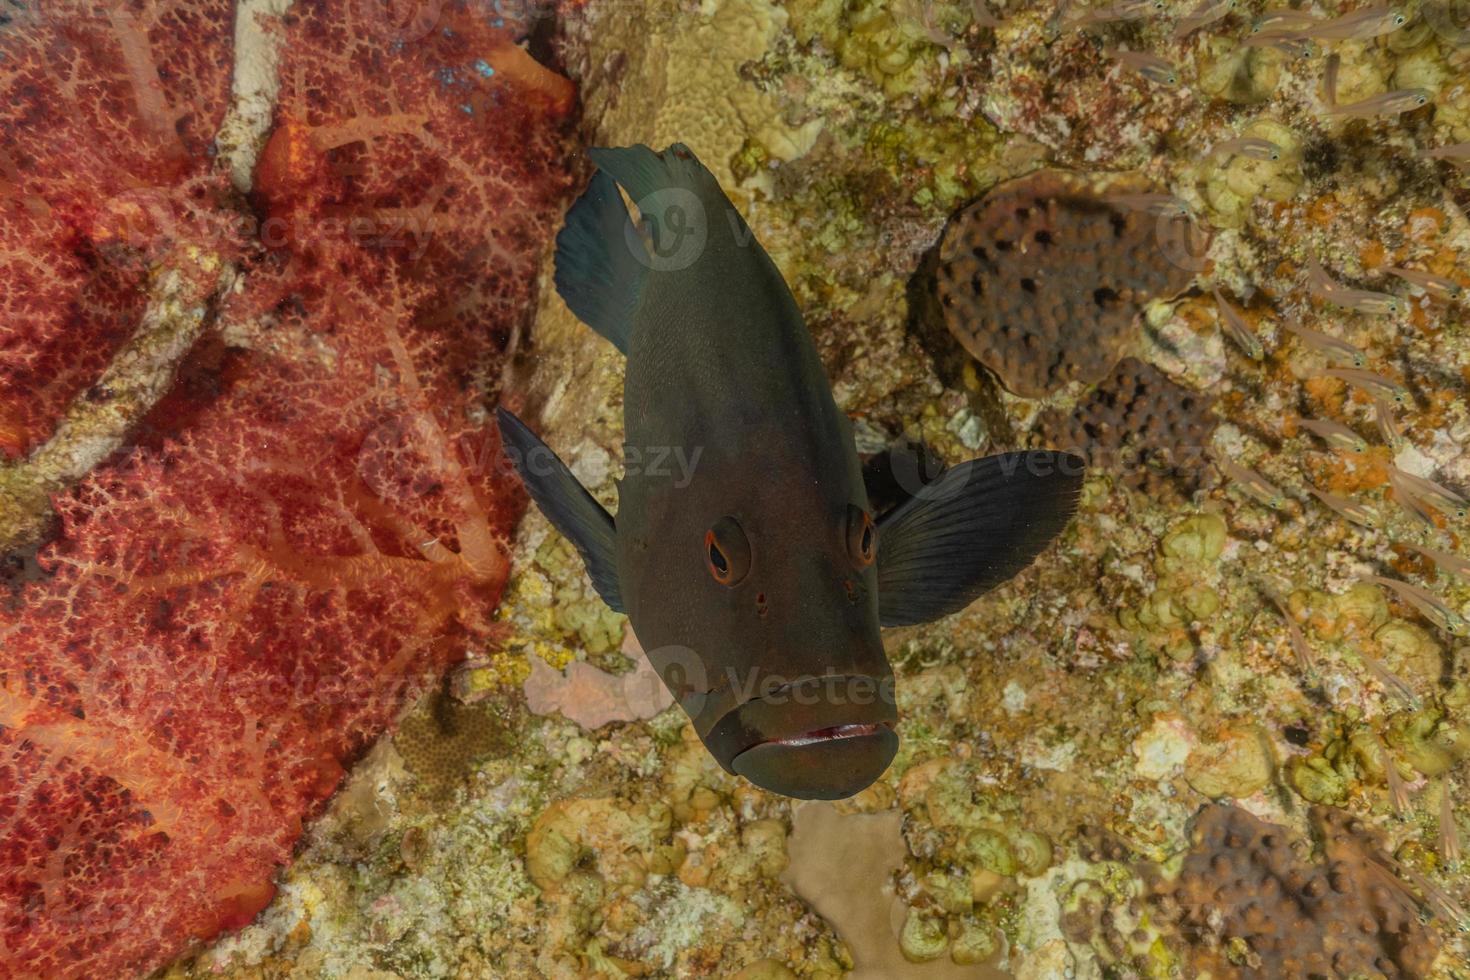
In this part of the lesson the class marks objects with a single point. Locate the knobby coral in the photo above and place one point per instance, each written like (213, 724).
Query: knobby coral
(307, 528)
(1253, 907)
(1042, 279)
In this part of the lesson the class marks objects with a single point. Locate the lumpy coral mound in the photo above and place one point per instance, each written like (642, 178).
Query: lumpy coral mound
(1252, 906)
(1140, 425)
(309, 527)
(1041, 279)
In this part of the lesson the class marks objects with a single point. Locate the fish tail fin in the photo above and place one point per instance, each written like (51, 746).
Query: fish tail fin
(601, 261)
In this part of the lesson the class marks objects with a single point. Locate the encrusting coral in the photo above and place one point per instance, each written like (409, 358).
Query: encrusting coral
(1043, 278)
(1250, 905)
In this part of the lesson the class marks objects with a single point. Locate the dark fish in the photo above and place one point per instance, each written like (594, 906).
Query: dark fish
(758, 583)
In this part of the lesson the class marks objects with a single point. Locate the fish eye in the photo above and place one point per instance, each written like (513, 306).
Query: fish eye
(727, 552)
(862, 537)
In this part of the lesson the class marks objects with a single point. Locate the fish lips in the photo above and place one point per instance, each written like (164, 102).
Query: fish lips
(825, 737)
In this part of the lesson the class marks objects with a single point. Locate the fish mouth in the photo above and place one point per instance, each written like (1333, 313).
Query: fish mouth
(830, 763)
(832, 733)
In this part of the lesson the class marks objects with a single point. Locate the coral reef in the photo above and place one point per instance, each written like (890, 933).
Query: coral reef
(1210, 630)
(1043, 278)
(1249, 905)
(1138, 423)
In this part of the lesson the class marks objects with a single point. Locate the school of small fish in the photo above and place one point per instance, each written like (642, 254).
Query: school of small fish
(1248, 322)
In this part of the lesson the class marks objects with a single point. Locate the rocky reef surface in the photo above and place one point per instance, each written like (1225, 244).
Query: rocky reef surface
(1200, 736)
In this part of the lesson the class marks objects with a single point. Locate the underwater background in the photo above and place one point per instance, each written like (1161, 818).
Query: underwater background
(294, 684)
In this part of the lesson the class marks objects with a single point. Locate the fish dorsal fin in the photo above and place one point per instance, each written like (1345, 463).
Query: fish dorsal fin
(973, 528)
(566, 504)
(601, 262)
(643, 173)
(681, 206)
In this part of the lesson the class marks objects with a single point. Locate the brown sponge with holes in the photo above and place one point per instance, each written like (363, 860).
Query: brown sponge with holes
(1042, 279)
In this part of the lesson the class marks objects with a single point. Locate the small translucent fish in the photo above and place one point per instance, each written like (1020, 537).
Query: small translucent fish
(1122, 10)
(1434, 285)
(1449, 832)
(1282, 20)
(1158, 70)
(1335, 434)
(1388, 104)
(1430, 606)
(1358, 25)
(1414, 506)
(1299, 646)
(1350, 509)
(1442, 499)
(1388, 680)
(1248, 146)
(1205, 12)
(1388, 427)
(981, 16)
(1323, 286)
(1292, 45)
(1446, 561)
(1251, 483)
(1455, 153)
(1398, 793)
(1375, 385)
(1240, 331)
(1162, 205)
(1326, 343)
(1441, 902)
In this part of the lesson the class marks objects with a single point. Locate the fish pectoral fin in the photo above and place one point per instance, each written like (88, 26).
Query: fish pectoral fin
(566, 504)
(971, 529)
(601, 261)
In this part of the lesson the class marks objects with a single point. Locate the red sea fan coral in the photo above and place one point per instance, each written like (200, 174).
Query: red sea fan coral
(308, 529)
(105, 128)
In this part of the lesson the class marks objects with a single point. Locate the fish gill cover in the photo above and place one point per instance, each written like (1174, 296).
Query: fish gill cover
(220, 588)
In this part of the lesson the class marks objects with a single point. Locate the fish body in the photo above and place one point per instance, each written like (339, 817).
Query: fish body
(1350, 509)
(1159, 205)
(1203, 14)
(1454, 152)
(1323, 286)
(758, 582)
(1335, 434)
(1449, 834)
(1437, 286)
(1387, 104)
(1441, 498)
(1158, 70)
(1388, 427)
(1326, 343)
(1251, 483)
(1123, 10)
(1447, 561)
(1359, 25)
(1283, 20)
(1248, 146)
(1429, 605)
(1376, 385)
(1240, 331)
